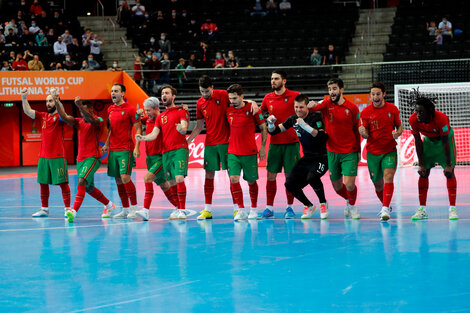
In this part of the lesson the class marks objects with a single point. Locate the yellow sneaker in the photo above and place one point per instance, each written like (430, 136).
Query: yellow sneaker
(235, 213)
(205, 215)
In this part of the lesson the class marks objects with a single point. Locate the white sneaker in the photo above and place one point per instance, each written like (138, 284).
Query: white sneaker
(253, 214)
(347, 210)
(453, 213)
(131, 215)
(108, 210)
(241, 215)
(324, 213)
(384, 214)
(308, 211)
(122, 214)
(42, 212)
(143, 214)
(71, 215)
(178, 214)
(420, 214)
(65, 211)
(354, 212)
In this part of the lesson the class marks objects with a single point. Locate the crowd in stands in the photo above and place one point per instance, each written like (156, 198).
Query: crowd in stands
(36, 37)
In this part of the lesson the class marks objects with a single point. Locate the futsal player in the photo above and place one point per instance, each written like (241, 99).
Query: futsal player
(341, 119)
(52, 165)
(242, 150)
(438, 146)
(154, 160)
(88, 158)
(314, 164)
(122, 116)
(380, 125)
(173, 124)
(284, 149)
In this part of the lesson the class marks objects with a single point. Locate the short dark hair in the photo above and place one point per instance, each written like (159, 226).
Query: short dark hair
(302, 98)
(282, 73)
(378, 85)
(235, 88)
(123, 88)
(173, 89)
(205, 82)
(428, 103)
(337, 81)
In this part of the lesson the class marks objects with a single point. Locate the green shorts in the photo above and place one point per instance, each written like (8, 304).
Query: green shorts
(378, 163)
(433, 151)
(249, 164)
(120, 163)
(215, 156)
(286, 155)
(87, 168)
(175, 162)
(52, 171)
(340, 164)
(155, 166)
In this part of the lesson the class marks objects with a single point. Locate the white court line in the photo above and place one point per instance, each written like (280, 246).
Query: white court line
(65, 227)
(135, 300)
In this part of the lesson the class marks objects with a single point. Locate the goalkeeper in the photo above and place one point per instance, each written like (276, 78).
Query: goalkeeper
(438, 146)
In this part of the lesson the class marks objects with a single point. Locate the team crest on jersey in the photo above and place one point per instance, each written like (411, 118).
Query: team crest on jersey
(347, 112)
(122, 113)
(271, 108)
(246, 113)
(217, 101)
(55, 117)
(286, 99)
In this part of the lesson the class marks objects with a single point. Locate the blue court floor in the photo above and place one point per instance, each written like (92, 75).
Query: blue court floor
(337, 265)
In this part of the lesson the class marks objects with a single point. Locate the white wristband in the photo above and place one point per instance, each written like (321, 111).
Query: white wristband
(306, 127)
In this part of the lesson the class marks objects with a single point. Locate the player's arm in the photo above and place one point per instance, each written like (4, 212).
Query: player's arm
(26, 107)
(254, 107)
(305, 126)
(196, 131)
(419, 153)
(138, 131)
(182, 126)
(397, 133)
(60, 109)
(149, 137)
(264, 137)
(106, 144)
(449, 169)
(364, 127)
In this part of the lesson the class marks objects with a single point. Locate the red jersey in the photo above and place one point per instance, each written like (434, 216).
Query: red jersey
(380, 123)
(341, 125)
(88, 139)
(242, 130)
(153, 147)
(213, 112)
(121, 119)
(439, 126)
(52, 135)
(166, 121)
(282, 107)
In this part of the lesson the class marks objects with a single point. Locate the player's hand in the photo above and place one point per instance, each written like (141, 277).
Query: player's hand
(422, 170)
(254, 108)
(185, 107)
(448, 171)
(300, 121)
(136, 152)
(395, 134)
(105, 149)
(53, 92)
(311, 104)
(262, 153)
(271, 119)
(179, 128)
(139, 137)
(363, 132)
(24, 93)
(78, 101)
(140, 112)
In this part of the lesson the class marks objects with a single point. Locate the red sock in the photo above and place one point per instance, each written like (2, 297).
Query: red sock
(380, 195)
(169, 195)
(181, 188)
(65, 194)
(423, 185)
(79, 197)
(131, 193)
(231, 192)
(123, 195)
(208, 190)
(237, 194)
(148, 195)
(352, 195)
(290, 198)
(452, 190)
(343, 192)
(254, 194)
(44, 195)
(174, 196)
(98, 195)
(271, 188)
(388, 193)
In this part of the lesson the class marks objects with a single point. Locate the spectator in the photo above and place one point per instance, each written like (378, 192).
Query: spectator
(331, 56)
(439, 38)
(285, 7)
(11, 25)
(174, 22)
(95, 47)
(58, 67)
(86, 37)
(93, 65)
(12, 57)
(446, 27)
(69, 64)
(6, 66)
(2, 39)
(20, 64)
(35, 9)
(258, 9)
(272, 7)
(209, 26)
(193, 29)
(35, 64)
(180, 74)
(192, 63)
(41, 39)
(85, 66)
(123, 14)
(26, 38)
(11, 40)
(138, 13)
(153, 65)
(67, 37)
(232, 61)
(219, 62)
(43, 20)
(152, 45)
(204, 54)
(138, 70)
(164, 44)
(59, 47)
(431, 28)
(75, 50)
(57, 22)
(20, 16)
(160, 22)
(165, 76)
(34, 28)
(315, 57)
(27, 56)
(51, 37)
(115, 67)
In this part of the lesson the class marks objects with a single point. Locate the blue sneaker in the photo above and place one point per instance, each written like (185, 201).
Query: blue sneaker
(267, 214)
(289, 213)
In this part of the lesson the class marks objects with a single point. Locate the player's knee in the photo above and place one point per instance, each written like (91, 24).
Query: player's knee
(179, 178)
(81, 182)
(234, 179)
(148, 178)
(90, 189)
(210, 174)
(449, 175)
